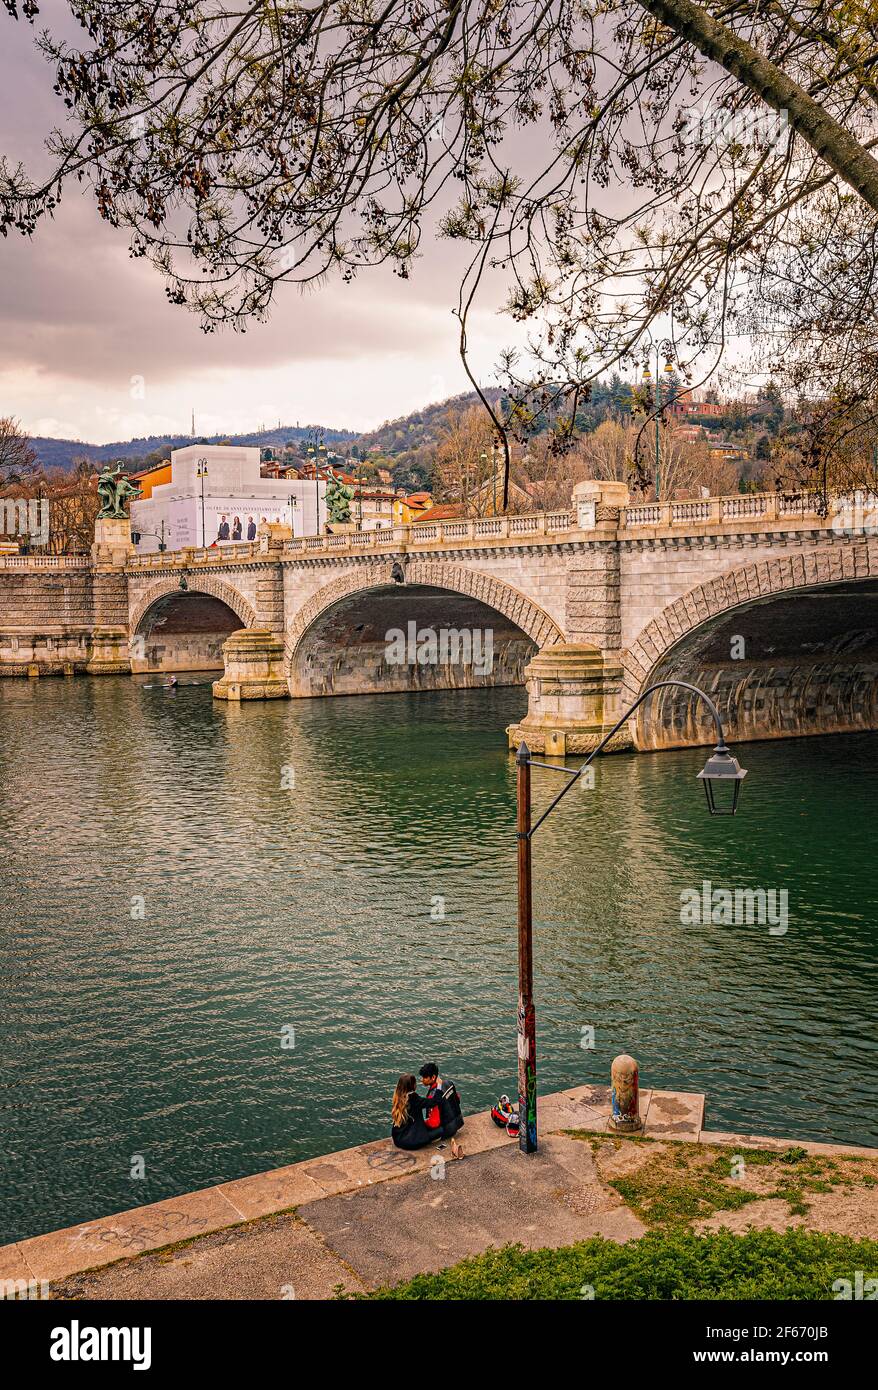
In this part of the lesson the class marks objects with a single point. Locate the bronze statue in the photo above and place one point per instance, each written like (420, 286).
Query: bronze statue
(115, 489)
(338, 498)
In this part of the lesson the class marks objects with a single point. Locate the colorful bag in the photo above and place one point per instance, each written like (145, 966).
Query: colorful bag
(505, 1115)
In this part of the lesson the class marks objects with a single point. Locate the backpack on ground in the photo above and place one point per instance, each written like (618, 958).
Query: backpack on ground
(505, 1115)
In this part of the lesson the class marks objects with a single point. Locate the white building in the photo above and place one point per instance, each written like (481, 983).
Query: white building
(217, 496)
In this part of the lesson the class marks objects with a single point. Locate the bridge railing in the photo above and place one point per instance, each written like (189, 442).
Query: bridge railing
(756, 507)
(194, 555)
(44, 562)
(450, 532)
(743, 506)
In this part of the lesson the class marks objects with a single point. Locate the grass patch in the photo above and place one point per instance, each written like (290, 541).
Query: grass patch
(663, 1202)
(797, 1265)
(680, 1184)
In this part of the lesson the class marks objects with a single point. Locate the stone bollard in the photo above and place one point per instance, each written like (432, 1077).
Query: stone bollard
(625, 1095)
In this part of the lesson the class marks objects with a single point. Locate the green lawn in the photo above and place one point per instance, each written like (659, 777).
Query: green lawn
(800, 1265)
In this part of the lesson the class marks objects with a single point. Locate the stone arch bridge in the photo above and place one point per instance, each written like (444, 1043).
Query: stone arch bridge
(766, 602)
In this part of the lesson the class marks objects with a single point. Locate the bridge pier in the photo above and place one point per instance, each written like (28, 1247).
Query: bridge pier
(254, 667)
(573, 699)
(109, 653)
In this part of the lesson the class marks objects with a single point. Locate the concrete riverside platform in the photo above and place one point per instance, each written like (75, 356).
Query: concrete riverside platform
(94, 1243)
(318, 1188)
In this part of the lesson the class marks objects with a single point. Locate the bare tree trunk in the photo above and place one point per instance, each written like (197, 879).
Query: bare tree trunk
(826, 136)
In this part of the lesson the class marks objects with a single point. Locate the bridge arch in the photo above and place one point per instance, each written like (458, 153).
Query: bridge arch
(533, 620)
(787, 676)
(423, 577)
(197, 584)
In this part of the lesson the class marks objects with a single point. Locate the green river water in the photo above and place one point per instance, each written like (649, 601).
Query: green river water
(171, 910)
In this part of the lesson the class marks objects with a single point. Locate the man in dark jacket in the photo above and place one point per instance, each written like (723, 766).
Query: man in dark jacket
(444, 1093)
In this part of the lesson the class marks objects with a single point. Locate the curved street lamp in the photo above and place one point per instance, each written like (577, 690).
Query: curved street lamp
(722, 776)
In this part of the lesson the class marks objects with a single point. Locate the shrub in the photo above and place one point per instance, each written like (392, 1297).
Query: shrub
(797, 1265)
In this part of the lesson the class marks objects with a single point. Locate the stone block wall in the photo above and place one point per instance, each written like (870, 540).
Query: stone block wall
(655, 574)
(593, 598)
(48, 619)
(767, 700)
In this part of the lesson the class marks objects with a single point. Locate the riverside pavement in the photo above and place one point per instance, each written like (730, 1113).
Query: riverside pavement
(368, 1215)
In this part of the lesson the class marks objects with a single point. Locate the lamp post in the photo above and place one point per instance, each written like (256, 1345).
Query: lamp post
(294, 502)
(483, 460)
(201, 472)
(721, 775)
(312, 458)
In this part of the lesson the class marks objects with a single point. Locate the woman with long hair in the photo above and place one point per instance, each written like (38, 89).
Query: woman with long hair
(410, 1129)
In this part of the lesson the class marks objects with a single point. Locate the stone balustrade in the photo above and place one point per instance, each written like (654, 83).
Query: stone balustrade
(757, 509)
(740, 507)
(45, 562)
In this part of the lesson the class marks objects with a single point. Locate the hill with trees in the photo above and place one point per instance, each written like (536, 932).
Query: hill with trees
(67, 453)
(446, 447)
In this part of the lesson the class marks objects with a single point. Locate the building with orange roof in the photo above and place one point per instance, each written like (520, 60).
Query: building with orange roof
(407, 510)
(445, 511)
(148, 478)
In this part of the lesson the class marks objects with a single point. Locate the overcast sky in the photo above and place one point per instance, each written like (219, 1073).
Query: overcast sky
(90, 349)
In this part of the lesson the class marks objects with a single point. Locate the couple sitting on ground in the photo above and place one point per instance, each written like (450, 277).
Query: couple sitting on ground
(421, 1120)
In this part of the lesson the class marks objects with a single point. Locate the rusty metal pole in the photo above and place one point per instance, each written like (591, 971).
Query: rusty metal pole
(527, 1033)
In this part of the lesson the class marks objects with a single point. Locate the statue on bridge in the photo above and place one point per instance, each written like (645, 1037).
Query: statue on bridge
(115, 489)
(339, 496)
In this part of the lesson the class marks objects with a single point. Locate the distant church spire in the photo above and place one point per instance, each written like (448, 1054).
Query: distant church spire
(192, 431)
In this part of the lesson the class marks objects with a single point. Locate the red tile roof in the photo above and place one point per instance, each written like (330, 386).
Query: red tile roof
(449, 511)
